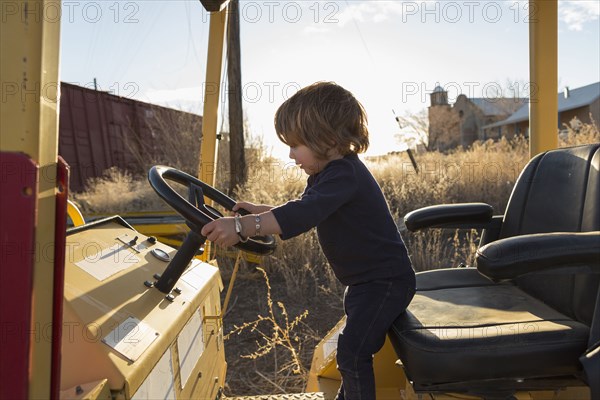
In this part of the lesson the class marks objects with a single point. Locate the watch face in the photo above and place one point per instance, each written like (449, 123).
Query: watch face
(161, 255)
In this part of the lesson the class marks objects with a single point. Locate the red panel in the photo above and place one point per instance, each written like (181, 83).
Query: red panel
(18, 213)
(60, 235)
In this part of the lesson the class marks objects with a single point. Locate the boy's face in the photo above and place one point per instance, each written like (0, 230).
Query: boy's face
(306, 160)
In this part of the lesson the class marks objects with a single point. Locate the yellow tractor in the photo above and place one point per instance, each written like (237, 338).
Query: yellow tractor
(102, 311)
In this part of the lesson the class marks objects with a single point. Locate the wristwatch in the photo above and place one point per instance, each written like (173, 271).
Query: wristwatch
(238, 228)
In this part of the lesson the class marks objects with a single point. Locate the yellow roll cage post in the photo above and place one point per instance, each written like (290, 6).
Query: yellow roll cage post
(29, 124)
(207, 168)
(543, 76)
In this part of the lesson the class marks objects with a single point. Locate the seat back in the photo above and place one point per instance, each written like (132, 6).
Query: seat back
(558, 191)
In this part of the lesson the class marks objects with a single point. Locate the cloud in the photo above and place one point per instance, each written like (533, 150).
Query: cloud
(309, 30)
(374, 11)
(575, 13)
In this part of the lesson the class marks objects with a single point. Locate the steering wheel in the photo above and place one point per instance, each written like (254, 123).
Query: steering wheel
(196, 213)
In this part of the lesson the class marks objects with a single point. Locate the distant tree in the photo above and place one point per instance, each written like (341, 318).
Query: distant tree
(509, 97)
(173, 141)
(434, 132)
(413, 129)
(516, 88)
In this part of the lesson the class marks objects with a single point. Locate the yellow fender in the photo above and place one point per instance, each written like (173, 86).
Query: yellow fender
(75, 214)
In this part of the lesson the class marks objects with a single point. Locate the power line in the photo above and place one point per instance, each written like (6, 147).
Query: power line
(362, 39)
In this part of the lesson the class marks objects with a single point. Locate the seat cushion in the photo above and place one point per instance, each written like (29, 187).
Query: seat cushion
(472, 333)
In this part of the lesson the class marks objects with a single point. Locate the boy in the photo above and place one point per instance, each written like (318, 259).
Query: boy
(325, 127)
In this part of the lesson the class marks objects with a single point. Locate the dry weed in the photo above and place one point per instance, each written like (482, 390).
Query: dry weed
(281, 333)
(576, 133)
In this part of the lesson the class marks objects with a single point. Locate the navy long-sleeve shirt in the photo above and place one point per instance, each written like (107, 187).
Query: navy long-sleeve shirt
(354, 225)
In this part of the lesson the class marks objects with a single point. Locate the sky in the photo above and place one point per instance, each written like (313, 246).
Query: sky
(390, 54)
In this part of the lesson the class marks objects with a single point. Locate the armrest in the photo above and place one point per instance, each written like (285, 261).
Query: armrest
(518, 255)
(455, 216)
(591, 364)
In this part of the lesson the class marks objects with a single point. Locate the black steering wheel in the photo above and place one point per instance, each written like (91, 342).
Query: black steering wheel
(195, 211)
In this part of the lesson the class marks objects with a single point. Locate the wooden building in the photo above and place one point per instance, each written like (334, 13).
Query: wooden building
(582, 104)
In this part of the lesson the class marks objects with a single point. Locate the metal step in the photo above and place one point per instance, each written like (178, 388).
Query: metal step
(293, 396)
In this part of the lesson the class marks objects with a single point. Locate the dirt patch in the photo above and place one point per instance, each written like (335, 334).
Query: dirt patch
(271, 373)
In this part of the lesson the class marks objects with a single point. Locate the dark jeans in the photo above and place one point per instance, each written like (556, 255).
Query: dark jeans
(370, 309)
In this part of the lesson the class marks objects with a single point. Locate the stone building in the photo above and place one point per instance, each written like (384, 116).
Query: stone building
(462, 123)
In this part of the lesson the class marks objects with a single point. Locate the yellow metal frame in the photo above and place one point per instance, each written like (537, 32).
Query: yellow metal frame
(207, 170)
(29, 124)
(543, 73)
(212, 89)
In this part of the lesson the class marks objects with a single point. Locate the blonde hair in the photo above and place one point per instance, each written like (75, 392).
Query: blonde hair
(325, 117)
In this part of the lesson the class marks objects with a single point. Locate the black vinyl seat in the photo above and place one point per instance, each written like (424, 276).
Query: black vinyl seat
(521, 319)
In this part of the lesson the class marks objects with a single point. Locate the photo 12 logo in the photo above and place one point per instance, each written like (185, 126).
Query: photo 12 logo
(467, 11)
(286, 11)
(253, 92)
(126, 12)
(491, 91)
(50, 91)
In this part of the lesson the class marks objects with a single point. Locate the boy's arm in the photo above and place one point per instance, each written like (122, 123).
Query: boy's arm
(268, 224)
(222, 231)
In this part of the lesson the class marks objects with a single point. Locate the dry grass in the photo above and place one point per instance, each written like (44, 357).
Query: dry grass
(485, 172)
(118, 192)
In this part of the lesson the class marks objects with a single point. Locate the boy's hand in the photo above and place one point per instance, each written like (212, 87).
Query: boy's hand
(251, 207)
(221, 231)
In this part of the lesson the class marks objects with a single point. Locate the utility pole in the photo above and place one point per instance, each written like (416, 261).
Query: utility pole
(237, 158)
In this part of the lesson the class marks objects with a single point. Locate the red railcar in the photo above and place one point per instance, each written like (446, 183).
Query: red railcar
(99, 130)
